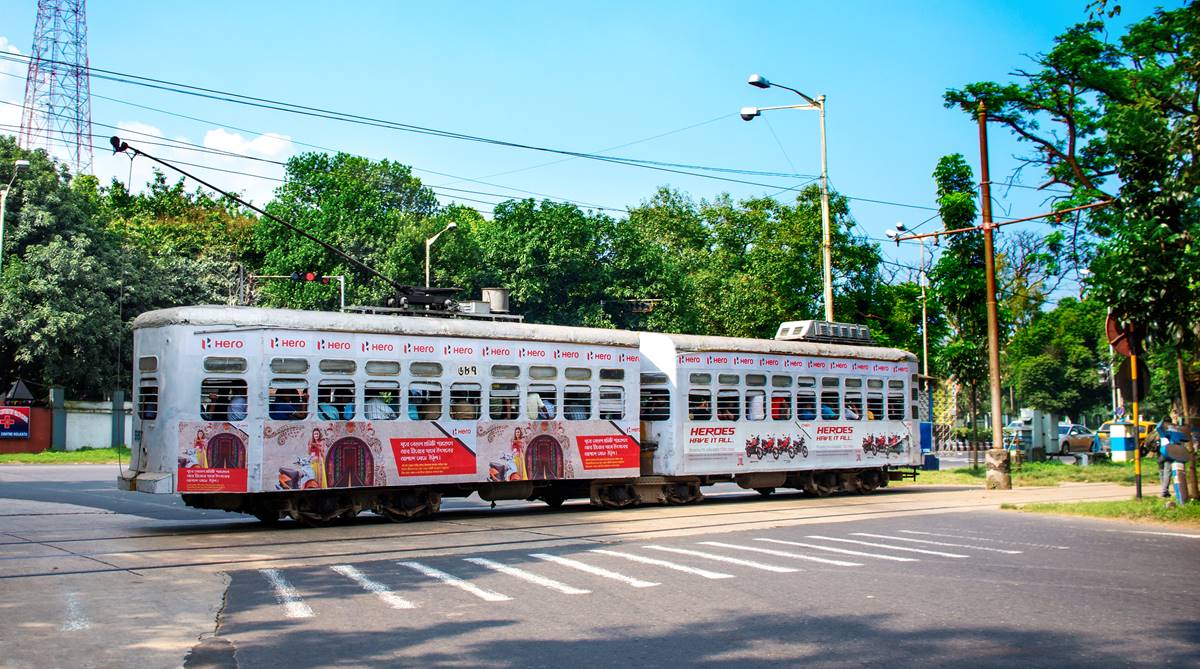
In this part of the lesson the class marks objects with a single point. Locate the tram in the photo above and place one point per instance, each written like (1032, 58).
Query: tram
(319, 415)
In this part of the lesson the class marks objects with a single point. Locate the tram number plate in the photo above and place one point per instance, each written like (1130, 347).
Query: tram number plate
(468, 370)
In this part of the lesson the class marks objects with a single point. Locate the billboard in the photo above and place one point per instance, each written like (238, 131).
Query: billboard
(14, 422)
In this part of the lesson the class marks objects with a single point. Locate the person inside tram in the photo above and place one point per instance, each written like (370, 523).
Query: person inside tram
(343, 401)
(806, 409)
(829, 410)
(379, 407)
(215, 406)
(285, 404)
(853, 409)
(726, 410)
(326, 408)
(237, 405)
(699, 408)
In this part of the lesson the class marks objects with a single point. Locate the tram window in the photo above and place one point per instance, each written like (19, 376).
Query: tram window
(849, 383)
(540, 401)
(756, 379)
(577, 403)
(756, 403)
(700, 404)
(428, 369)
(543, 373)
(148, 399)
(781, 381)
(382, 367)
(223, 399)
(698, 379)
(612, 402)
(781, 405)
(915, 385)
(853, 405)
(502, 402)
(728, 379)
(506, 372)
(653, 378)
(147, 363)
(465, 401)
(830, 398)
(289, 366)
(288, 399)
(381, 400)
(337, 366)
(655, 403)
(727, 405)
(335, 400)
(424, 399)
(578, 374)
(874, 405)
(895, 400)
(224, 365)
(612, 374)
(806, 398)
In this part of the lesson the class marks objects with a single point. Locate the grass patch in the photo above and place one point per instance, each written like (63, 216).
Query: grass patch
(1148, 508)
(1046, 473)
(83, 456)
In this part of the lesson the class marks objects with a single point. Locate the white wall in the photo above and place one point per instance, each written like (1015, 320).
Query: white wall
(90, 424)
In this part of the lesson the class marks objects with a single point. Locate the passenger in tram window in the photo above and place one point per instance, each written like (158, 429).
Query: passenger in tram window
(285, 404)
(326, 408)
(829, 406)
(853, 410)
(215, 406)
(699, 408)
(379, 407)
(237, 405)
(301, 411)
(727, 405)
(343, 401)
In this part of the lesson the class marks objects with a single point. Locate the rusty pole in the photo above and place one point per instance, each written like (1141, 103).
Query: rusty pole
(998, 476)
(1187, 423)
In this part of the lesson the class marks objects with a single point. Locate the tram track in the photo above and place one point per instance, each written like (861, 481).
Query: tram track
(467, 539)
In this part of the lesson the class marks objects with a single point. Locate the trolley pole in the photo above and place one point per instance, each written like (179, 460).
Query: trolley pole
(998, 476)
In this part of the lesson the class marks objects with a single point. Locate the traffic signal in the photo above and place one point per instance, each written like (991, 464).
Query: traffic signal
(310, 276)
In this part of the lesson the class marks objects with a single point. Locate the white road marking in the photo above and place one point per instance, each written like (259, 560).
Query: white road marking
(597, 571)
(663, 563)
(844, 551)
(722, 558)
(76, 619)
(532, 578)
(370, 585)
(998, 541)
(1160, 534)
(888, 546)
(286, 595)
(768, 551)
(482, 593)
(936, 543)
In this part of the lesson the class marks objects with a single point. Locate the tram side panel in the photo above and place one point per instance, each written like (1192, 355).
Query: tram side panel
(430, 444)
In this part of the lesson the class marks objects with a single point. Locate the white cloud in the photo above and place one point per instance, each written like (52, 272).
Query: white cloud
(12, 88)
(271, 145)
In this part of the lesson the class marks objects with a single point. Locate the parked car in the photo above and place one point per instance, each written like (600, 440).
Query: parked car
(1103, 434)
(1076, 439)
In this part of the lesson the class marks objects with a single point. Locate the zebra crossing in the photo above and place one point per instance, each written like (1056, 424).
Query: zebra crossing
(584, 572)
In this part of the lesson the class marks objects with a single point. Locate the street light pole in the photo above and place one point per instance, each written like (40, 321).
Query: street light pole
(428, 243)
(998, 474)
(17, 167)
(749, 113)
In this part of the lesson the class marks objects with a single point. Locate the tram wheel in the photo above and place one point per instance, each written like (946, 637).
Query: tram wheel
(269, 517)
(310, 519)
(553, 500)
(765, 492)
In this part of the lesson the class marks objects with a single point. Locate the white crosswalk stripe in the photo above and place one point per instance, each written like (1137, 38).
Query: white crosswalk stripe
(286, 595)
(482, 593)
(888, 546)
(723, 558)
(998, 541)
(936, 543)
(526, 576)
(375, 587)
(787, 554)
(76, 619)
(663, 563)
(595, 571)
(843, 551)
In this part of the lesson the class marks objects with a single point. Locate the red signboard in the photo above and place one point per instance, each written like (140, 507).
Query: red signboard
(434, 456)
(14, 422)
(610, 451)
(211, 479)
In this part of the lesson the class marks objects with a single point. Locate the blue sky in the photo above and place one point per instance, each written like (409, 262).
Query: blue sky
(577, 76)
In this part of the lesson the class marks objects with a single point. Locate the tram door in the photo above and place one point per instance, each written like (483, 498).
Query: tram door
(226, 451)
(350, 464)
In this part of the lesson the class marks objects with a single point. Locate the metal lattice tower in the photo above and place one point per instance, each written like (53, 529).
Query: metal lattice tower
(58, 100)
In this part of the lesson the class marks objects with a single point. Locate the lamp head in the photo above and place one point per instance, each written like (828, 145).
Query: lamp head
(20, 165)
(452, 226)
(892, 234)
(758, 81)
(748, 113)
(900, 227)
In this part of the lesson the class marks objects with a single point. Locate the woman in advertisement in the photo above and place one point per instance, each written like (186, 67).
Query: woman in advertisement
(518, 455)
(201, 451)
(316, 454)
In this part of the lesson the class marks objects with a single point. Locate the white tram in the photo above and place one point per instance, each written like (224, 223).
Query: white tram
(318, 415)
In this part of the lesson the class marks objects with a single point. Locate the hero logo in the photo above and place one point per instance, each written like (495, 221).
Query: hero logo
(840, 365)
(861, 367)
(419, 348)
(489, 351)
(816, 364)
(326, 345)
(768, 362)
(566, 355)
(629, 357)
(713, 431)
(457, 350)
(607, 357)
(881, 368)
(788, 364)
(743, 361)
(834, 429)
(277, 342)
(368, 347)
(718, 360)
(531, 353)
(689, 359)
(209, 342)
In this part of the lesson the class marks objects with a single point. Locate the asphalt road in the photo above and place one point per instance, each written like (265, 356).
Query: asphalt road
(93, 577)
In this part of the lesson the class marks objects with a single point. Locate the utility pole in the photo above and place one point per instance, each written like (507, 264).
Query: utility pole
(998, 476)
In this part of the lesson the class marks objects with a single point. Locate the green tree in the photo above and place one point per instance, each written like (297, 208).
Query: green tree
(1056, 360)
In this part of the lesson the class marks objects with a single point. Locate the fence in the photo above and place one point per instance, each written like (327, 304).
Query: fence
(71, 425)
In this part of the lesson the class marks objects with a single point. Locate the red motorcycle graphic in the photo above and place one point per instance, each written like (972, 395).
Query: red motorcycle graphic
(758, 448)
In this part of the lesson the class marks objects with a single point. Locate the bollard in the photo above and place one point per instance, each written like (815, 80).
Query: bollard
(999, 477)
(1179, 481)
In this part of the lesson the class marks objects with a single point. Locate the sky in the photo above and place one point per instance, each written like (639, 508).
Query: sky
(658, 81)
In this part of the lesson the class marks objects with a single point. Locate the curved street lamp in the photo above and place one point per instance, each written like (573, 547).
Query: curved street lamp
(17, 167)
(429, 242)
(818, 103)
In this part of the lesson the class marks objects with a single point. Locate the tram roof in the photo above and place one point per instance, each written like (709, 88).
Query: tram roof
(243, 318)
(698, 344)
